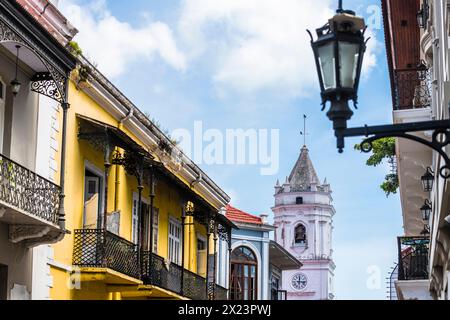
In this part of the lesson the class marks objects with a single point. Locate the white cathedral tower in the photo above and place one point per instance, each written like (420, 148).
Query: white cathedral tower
(303, 216)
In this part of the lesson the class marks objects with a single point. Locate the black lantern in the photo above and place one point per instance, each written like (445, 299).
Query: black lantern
(422, 15)
(15, 84)
(426, 211)
(420, 19)
(339, 52)
(428, 180)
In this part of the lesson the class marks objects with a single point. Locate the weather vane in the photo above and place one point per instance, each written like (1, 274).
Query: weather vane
(304, 133)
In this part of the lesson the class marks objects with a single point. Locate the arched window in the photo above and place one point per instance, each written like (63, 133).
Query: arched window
(300, 235)
(243, 282)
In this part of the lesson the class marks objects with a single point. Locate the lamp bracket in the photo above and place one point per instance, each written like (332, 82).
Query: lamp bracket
(440, 138)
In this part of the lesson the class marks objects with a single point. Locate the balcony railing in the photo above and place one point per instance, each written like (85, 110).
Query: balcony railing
(413, 258)
(156, 271)
(25, 190)
(96, 248)
(412, 89)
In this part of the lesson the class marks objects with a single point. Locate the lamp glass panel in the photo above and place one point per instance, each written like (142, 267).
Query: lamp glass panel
(327, 63)
(348, 57)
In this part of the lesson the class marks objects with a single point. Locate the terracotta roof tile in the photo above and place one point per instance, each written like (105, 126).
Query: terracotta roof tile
(237, 215)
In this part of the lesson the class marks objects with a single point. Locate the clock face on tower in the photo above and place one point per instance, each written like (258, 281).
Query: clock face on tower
(299, 281)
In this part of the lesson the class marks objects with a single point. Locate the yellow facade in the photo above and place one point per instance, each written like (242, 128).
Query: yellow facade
(71, 282)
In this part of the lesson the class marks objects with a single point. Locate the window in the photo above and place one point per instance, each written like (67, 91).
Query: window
(300, 235)
(174, 241)
(244, 267)
(135, 220)
(299, 200)
(201, 255)
(155, 229)
(92, 201)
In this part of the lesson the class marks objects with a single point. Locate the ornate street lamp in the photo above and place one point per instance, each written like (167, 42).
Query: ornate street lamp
(428, 180)
(426, 211)
(338, 52)
(15, 84)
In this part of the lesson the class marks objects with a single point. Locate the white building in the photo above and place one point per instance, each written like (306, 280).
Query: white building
(303, 216)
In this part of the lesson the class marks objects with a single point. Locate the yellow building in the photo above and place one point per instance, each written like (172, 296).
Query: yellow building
(143, 221)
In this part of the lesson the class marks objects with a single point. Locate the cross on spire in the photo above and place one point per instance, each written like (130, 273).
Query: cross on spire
(304, 133)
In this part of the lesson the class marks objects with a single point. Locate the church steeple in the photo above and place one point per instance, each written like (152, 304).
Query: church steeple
(303, 175)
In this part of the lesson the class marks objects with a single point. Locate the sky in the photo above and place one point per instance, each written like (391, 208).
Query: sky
(247, 64)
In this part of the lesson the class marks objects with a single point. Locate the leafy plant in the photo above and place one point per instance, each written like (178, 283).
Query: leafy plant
(384, 149)
(75, 48)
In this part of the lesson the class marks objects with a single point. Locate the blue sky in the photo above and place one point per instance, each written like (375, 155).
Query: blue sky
(247, 64)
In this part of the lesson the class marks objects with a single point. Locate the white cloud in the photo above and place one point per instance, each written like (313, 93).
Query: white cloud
(258, 45)
(114, 44)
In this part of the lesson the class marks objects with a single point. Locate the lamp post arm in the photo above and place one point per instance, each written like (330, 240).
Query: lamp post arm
(440, 138)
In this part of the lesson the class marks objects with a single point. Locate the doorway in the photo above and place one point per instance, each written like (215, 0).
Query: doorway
(92, 200)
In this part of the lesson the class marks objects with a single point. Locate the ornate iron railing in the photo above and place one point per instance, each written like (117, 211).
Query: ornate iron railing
(161, 273)
(99, 249)
(27, 191)
(412, 89)
(413, 258)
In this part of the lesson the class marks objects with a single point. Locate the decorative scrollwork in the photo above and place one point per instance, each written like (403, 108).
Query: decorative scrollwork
(436, 144)
(132, 163)
(46, 86)
(56, 90)
(27, 191)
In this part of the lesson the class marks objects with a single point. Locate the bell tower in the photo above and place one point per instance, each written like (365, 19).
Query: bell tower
(303, 216)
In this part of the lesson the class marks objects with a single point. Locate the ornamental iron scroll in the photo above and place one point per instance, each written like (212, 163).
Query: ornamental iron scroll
(44, 84)
(132, 162)
(54, 85)
(25, 190)
(436, 144)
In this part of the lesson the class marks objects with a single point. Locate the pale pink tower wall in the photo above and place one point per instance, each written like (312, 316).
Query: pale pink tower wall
(303, 199)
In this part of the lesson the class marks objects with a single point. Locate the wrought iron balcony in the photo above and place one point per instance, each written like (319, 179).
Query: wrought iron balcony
(412, 88)
(26, 191)
(156, 271)
(96, 248)
(413, 258)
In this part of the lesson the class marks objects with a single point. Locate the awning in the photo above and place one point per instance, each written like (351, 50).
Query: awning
(281, 258)
(102, 135)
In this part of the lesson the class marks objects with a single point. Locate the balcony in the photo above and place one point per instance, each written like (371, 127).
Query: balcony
(413, 258)
(156, 271)
(412, 89)
(95, 248)
(413, 278)
(28, 198)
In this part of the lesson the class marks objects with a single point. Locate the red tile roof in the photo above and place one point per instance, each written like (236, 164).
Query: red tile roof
(237, 215)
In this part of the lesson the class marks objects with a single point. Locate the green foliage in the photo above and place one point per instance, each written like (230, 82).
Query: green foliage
(384, 149)
(390, 184)
(75, 48)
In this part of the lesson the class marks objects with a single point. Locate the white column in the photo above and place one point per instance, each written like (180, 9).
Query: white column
(265, 270)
